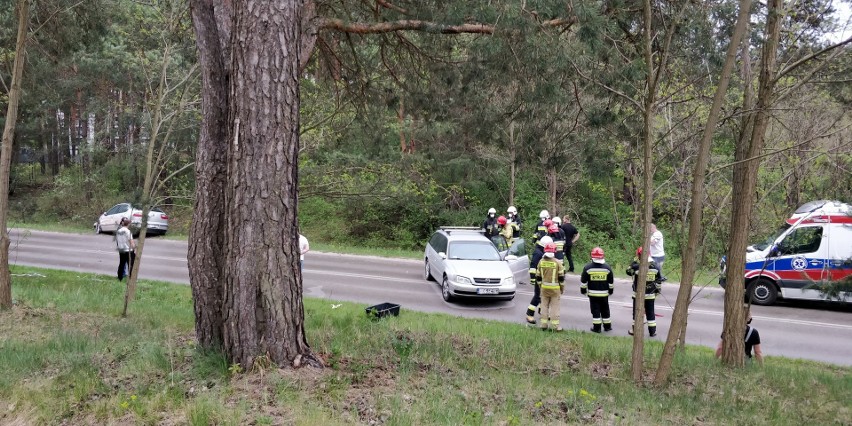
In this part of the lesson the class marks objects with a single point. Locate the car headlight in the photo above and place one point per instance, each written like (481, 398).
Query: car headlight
(507, 281)
(463, 280)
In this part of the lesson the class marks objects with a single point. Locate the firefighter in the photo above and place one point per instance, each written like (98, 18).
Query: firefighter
(513, 216)
(558, 238)
(538, 253)
(596, 281)
(490, 224)
(507, 230)
(550, 274)
(652, 289)
(542, 230)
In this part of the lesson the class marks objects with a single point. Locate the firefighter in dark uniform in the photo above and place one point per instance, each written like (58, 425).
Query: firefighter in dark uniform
(490, 224)
(541, 228)
(538, 253)
(653, 285)
(596, 281)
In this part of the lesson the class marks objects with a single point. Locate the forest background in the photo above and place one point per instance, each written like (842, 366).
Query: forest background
(403, 132)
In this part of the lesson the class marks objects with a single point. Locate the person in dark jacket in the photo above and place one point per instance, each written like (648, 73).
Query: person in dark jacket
(652, 288)
(571, 237)
(490, 225)
(596, 281)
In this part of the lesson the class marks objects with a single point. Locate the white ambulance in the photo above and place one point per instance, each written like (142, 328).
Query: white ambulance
(813, 246)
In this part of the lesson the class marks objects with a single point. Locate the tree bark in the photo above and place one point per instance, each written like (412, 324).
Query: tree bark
(6, 151)
(263, 310)
(637, 360)
(677, 331)
(744, 180)
(206, 255)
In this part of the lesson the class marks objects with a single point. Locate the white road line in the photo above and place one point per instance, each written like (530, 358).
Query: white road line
(14, 252)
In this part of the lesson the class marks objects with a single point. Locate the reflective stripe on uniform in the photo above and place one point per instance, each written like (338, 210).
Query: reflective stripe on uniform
(550, 286)
(598, 293)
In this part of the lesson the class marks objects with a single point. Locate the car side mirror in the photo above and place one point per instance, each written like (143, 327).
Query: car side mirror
(103, 214)
(511, 257)
(443, 255)
(774, 252)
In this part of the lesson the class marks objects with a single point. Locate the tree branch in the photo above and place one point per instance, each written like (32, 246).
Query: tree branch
(424, 26)
(804, 60)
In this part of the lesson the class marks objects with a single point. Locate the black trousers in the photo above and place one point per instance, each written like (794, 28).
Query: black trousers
(649, 313)
(569, 258)
(536, 300)
(125, 263)
(600, 312)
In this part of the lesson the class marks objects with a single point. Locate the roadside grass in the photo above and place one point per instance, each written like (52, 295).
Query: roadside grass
(68, 357)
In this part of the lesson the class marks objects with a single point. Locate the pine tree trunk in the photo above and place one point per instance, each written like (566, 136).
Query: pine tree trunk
(744, 183)
(263, 311)
(677, 331)
(206, 255)
(6, 151)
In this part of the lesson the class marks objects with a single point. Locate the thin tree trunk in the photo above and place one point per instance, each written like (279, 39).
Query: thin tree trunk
(206, 254)
(6, 151)
(637, 359)
(745, 178)
(677, 331)
(512, 165)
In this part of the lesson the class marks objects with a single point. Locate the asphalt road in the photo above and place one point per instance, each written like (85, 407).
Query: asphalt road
(813, 331)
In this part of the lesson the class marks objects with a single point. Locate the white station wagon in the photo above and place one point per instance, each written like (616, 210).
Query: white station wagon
(467, 264)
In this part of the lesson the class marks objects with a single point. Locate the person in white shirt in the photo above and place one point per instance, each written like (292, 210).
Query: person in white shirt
(126, 249)
(304, 247)
(658, 253)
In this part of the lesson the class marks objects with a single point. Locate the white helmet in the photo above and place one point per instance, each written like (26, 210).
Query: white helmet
(545, 239)
(512, 210)
(492, 211)
(544, 215)
(557, 220)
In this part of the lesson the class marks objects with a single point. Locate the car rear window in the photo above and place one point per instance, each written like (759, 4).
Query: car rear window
(471, 250)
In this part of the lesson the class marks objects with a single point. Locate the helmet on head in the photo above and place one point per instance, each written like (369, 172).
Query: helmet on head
(639, 252)
(545, 240)
(544, 215)
(501, 220)
(512, 210)
(597, 253)
(550, 248)
(547, 223)
(492, 211)
(553, 228)
(557, 220)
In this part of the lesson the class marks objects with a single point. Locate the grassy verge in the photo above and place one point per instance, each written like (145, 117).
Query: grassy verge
(69, 358)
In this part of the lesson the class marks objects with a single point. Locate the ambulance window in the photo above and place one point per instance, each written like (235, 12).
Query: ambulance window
(802, 240)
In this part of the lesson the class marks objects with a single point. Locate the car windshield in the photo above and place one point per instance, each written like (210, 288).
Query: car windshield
(771, 239)
(471, 250)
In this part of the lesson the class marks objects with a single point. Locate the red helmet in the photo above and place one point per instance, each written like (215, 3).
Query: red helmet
(553, 228)
(550, 248)
(597, 253)
(547, 223)
(639, 252)
(501, 220)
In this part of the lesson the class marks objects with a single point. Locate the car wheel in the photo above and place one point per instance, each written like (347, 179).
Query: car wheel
(445, 290)
(98, 228)
(427, 271)
(762, 292)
